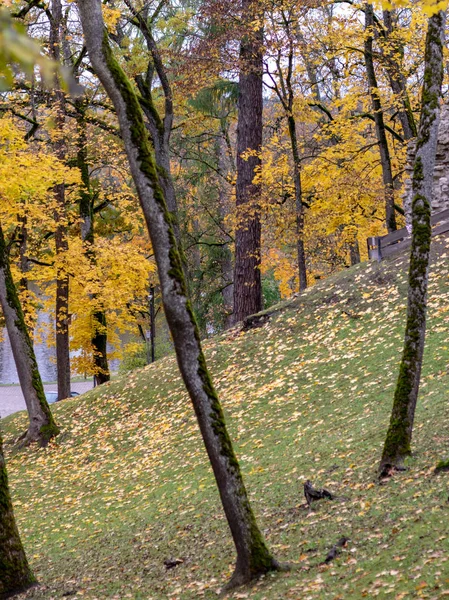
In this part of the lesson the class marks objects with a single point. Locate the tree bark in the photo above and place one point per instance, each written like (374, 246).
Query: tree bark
(253, 556)
(398, 440)
(15, 573)
(247, 277)
(286, 94)
(392, 49)
(387, 174)
(42, 426)
(226, 266)
(62, 300)
(61, 241)
(354, 252)
(86, 208)
(160, 128)
(302, 270)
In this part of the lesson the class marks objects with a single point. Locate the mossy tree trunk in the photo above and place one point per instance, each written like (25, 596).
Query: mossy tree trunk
(387, 174)
(398, 441)
(247, 276)
(86, 210)
(42, 426)
(15, 573)
(253, 556)
(159, 125)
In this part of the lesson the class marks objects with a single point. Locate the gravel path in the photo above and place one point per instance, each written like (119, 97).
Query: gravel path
(11, 398)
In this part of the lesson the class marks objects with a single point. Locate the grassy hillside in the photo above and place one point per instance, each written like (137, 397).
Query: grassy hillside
(127, 485)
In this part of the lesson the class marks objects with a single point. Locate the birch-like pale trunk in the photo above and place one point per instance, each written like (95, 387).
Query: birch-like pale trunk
(253, 556)
(398, 441)
(15, 573)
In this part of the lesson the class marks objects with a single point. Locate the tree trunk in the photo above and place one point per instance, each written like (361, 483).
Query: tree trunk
(247, 278)
(354, 252)
(61, 241)
(387, 173)
(160, 131)
(15, 574)
(42, 426)
(226, 266)
(62, 299)
(253, 556)
(23, 249)
(86, 205)
(398, 441)
(393, 52)
(302, 271)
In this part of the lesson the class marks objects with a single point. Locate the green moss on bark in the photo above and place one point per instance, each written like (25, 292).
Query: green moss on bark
(398, 440)
(258, 555)
(49, 429)
(15, 573)
(442, 466)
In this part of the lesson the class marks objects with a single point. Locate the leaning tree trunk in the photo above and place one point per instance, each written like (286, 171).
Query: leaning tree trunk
(385, 160)
(398, 441)
(15, 574)
(247, 277)
(42, 426)
(253, 556)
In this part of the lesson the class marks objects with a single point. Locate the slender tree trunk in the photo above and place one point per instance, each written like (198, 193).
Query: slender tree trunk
(15, 573)
(160, 137)
(159, 127)
(61, 241)
(393, 52)
(226, 266)
(354, 252)
(247, 277)
(253, 556)
(23, 247)
(62, 299)
(302, 271)
(99, 323)
(310, 65)
(42, 426)
(398, 441)
(387, 173)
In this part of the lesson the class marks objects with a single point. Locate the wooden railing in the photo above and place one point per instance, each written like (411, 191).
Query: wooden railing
(381, 247)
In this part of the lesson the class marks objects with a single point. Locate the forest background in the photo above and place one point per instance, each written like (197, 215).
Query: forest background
(327, 173)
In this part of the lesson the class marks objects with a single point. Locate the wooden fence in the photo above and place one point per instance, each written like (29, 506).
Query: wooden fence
(381, 247)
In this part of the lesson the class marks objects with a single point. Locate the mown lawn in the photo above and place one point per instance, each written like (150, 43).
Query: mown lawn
(127, 485)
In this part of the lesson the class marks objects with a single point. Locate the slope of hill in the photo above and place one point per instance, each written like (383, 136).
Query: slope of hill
(308, 396)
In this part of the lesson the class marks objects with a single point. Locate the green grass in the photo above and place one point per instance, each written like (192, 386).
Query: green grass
(127, 484)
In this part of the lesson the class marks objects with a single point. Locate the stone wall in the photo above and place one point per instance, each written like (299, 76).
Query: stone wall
(440, 200)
